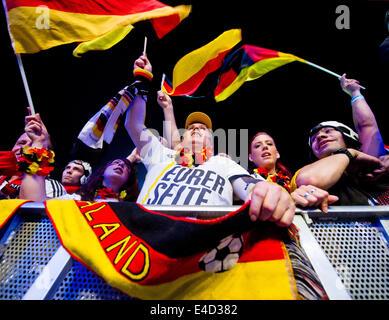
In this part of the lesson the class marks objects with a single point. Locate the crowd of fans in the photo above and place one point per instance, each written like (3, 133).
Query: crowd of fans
(348, 166)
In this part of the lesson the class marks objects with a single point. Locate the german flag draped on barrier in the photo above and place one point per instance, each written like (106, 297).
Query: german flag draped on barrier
(149, 255)
(36, 25)
(8, 208)
(222, 66)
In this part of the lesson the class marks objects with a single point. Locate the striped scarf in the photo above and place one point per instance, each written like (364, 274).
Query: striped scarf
(103, 125)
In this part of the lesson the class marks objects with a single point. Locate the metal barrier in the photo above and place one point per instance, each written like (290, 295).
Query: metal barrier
(348, 248)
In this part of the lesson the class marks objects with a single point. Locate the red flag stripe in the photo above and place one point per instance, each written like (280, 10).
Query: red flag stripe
(97, 7)
(191, 85)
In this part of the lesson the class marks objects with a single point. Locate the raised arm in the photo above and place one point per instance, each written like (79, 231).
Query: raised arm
(173, 135)
(364, 120)
(135, 116)
(33, 185)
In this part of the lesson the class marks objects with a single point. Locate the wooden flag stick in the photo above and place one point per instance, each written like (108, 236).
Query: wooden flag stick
(26, 88)
(326, 70)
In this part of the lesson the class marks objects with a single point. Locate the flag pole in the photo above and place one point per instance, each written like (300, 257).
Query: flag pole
(145, 45)
(163, 80)
(326, 70)
(26, 88)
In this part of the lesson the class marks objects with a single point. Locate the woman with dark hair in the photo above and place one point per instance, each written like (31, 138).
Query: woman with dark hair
(115, 180)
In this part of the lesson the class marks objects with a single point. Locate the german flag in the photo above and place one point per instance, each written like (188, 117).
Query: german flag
(36, 25)
(248, 63)
(220, 67)
(192, 69)
(149, 255)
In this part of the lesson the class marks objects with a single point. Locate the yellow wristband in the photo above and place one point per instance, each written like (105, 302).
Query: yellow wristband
(143, 73)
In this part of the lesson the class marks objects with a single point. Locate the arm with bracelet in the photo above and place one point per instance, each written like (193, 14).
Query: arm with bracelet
(326, 172)
(36, 161)
(323, 173)
(136, 115)
(364, 120)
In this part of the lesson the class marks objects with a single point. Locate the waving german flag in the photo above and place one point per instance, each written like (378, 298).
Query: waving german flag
(222, 66)
(245, 64)
(192, 69)
(36, 25)
(150, 255)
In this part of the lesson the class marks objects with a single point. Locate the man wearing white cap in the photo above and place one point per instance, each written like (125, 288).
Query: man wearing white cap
(340, 168)
(75, 174)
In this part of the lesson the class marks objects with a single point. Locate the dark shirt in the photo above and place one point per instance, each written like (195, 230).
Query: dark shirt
(352, 193)
(384, 53)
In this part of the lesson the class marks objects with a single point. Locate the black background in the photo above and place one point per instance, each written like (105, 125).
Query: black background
(286, 102)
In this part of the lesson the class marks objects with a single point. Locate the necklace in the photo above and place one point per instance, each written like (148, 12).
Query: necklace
(278, 177)
(107, 193)
(186, 158)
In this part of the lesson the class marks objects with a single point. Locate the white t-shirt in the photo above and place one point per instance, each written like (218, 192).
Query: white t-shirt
(70, 196)
(54, 188)
(168, 183)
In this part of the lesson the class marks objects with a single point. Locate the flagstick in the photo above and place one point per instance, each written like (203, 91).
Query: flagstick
(31, 105)
(328, 71)
(144, 46)
(163, 80)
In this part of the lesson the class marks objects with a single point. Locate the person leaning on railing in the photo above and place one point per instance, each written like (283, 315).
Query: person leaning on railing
(340, 168)
(263, 153)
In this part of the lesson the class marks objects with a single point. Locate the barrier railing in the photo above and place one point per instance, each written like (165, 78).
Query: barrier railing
(347, 247)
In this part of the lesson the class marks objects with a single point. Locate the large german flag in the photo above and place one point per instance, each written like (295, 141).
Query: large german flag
(36, 25)
(150, 255)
